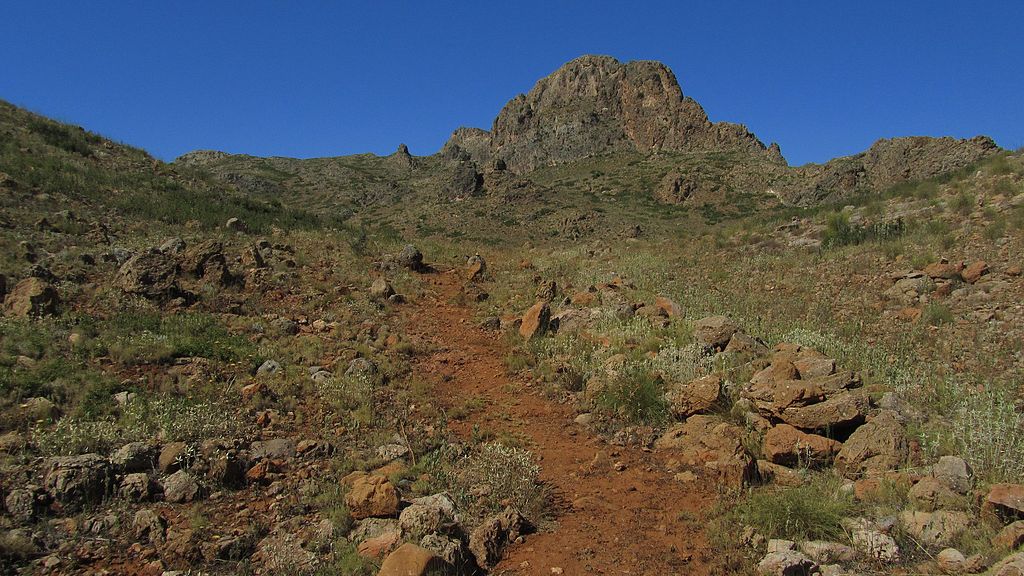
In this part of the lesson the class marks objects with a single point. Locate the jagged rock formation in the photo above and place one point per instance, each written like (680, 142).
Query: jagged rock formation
(595, 104)
(888, 162)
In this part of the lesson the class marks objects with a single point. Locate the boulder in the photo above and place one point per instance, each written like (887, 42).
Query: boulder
(134, 457)
(838, 413)
(76, 481)
(1012, 565)
(32, 297)
(381, 289)
(786, 563)
(875, 545)
(418, 520)
(372, 495)
(951, 561)
(940, 528)
(411, 560)
(135, 487)
(535, 321)
(411, 258)
(786, 445)
(206, 261)
(929, 494)
(714, 332)
(181, 487)
(974, 271)
(943, 271)
(173, 246)
(709, 443)
(152, 275)
(172, 456)
(878, 446)
(953, 472)
(668, 307)
(1005, 501)
(150, 526)
(371, 528)
(22, 504)
(488, 540)
(379, 546)
(447, 548)
(827, 552)
(273, 449)
(1011, 536)
(694, 397)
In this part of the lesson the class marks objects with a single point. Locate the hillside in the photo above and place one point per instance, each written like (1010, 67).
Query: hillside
(659, 350)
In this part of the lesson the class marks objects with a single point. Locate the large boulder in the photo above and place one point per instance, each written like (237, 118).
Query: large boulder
(32, 297)
(372, 495)
(940, 528)
(206, 261)
(411, 258)
(134, 457)
(181, 487)
(694, 397)
(878, 446)
(411, 560)
(714, 332)
(152, 275)
(786, 445)
(76, 481)
(709, 443)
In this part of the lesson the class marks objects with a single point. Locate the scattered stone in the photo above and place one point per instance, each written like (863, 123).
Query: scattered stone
(361, 368)
(953, 472)
(427, 517)
(389, 452)
(410, 560)
(22, 504)
(934, 528)
(268, 367)
(379, 546)
(181, 487)
(974, 271)
(32, 297)
(446, 548)
(930, 494)
(695, 397)
(488, 540)
(410, 257)
(714, 332)
(152, 275)
(381, 288)
(535, 321)
(235, 225)
(951, 561)
(1011, 536)
(786, 563)
(876, 545)
(372, 495)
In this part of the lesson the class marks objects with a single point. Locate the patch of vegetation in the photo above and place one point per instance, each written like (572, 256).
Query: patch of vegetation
(840, 231)
(809, 512)
(636, 395)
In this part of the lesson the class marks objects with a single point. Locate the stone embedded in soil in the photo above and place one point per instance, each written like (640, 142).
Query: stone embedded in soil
(32, 297)
(694, 397)
(410, 560)
(786, 445)
(1005, 501)
(878, 446)
(714, 331)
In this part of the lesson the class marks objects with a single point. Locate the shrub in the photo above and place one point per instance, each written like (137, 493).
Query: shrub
(936, 314)
(839, 231)
(809, 512)
(510, 477)
(987, 430)
(635, 395)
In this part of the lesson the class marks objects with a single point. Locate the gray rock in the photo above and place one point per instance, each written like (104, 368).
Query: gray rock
(173, 246)
(489, 539)
(150, 526)
(786, 563)
(181, 487)
(448, 549)
(371, 528)
(75, 481)
(361, 368)
(430, 517)
(876, 545)
(136, 487)
(268, 367)
(954, 473)
(410, 257)
(134, 457)
(21, 504)
(275, 449)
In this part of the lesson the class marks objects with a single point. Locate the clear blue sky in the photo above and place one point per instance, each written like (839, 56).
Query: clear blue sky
(327, 78)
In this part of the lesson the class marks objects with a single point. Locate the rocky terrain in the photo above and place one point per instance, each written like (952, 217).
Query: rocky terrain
(606, 336)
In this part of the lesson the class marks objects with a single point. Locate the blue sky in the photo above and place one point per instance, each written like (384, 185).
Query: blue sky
(309, 79)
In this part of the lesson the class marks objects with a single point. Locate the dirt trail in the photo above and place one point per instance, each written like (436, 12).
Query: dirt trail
(635, 521)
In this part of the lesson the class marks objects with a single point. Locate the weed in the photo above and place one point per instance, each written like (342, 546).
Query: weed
(809, 512)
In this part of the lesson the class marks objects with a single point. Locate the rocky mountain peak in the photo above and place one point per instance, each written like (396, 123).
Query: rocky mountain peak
(596, 104)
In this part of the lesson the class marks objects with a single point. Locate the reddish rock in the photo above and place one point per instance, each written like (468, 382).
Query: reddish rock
(1010, 537)
(878, 446)
(379, 546)
(32, 297)
(695, 397)
(788, 446)
(709, 443)
(535, 321)
(714, 331)
(1005, 501)
(372, 495)
(410, 560)
(974, 271)
(666, 305)
(943, 271)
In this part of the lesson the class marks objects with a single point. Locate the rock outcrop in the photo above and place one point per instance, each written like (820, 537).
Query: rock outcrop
(596, 104)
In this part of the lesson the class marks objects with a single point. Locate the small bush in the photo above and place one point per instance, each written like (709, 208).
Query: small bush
(635, 395)
(839, 231)
(987, 430)
(809, 512)
(510, 477)
(936, 314)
